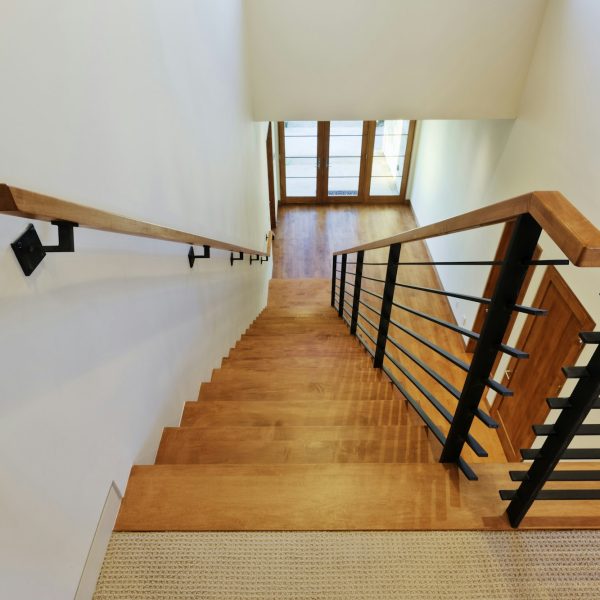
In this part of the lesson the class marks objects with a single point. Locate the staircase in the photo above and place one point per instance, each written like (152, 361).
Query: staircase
(296, 392)
(298, 431)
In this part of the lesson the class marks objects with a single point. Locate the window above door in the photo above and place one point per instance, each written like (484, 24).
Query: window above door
(344, 161)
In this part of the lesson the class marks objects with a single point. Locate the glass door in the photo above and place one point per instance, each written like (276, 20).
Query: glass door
(300, 161)
(389, 150)
(344, 160)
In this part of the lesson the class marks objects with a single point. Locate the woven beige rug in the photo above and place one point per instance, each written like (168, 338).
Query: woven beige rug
(352, 565)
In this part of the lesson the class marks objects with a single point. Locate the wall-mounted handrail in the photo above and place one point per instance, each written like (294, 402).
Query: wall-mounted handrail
(575, 235)
(31, 205)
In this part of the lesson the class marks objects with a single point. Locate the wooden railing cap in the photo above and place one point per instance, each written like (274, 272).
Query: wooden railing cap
(31, 205)
(571, 231)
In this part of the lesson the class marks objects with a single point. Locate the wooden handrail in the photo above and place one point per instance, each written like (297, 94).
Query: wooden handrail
(577, 237)
(30, 205)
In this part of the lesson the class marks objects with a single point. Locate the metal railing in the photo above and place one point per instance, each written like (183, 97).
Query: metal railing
(368, 301)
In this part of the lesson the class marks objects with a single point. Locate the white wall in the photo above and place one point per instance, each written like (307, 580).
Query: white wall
(552, 145)
(554, 142)
(454, 162)
(390, 59)
(140, 107)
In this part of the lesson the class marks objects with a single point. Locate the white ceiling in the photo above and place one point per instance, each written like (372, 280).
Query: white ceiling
(361, 59)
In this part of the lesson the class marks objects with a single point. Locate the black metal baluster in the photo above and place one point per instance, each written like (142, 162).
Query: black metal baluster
(582, 400)
(386, 304)
(342, 284)
(360, 257)
(520, 251)
(333, 280)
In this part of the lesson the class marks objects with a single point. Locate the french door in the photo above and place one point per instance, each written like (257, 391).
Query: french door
(344, 161)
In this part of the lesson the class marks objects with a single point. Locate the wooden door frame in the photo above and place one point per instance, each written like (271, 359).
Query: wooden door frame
(366, 168)
(271, 177)
(551, 276)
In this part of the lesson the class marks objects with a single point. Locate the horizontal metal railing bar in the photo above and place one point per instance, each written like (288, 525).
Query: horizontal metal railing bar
(570, 454)
(374, 325)
(431, 372)
(575, 372)
(544, 430)
(560, 403)
(471, 441)
(365, 332)
(349, 283)
(462, 464)
(373, 279)
(467, 263)
(365, 345)
(483, 417)
(549, 261)
(464, 263)
(377, 312)
(590, 337)
(463, 331)
(491, 383)
(350, 273)
(557, 494)
(480, 299)
(562, 475)
(372, 293)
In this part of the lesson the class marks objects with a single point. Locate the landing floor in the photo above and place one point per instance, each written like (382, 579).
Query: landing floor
(509, 565)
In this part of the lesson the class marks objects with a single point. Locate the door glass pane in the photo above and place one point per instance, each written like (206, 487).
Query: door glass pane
(388, 157)
(300, 158)
(345, 145)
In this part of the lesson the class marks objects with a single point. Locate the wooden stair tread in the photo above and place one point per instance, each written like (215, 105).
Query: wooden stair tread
(295, 412)
(400, 496)
(187, 447)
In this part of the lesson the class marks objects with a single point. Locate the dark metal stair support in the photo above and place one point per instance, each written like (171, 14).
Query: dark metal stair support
(582, 400)
(520, 251)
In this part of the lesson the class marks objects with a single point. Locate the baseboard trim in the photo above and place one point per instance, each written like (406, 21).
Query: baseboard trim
(95, 557)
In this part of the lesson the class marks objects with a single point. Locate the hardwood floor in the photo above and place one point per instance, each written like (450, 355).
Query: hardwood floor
(307, 236)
